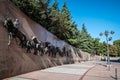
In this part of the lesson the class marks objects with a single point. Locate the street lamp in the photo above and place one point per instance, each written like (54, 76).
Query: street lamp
(106, 33)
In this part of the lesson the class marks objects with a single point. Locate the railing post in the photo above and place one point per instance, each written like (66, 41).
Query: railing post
(116, 74)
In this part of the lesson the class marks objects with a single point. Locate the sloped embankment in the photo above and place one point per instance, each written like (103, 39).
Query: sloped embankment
(13, 59)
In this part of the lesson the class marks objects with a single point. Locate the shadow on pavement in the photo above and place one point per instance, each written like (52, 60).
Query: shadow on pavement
(117, 61)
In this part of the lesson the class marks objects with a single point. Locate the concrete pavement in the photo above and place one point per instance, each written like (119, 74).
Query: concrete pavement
(100, 72)
(80, 71)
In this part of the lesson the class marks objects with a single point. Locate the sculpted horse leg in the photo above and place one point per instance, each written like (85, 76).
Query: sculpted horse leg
(28, 46)
(9, 38)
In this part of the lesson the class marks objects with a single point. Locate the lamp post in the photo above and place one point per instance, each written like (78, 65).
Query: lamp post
(106, 33)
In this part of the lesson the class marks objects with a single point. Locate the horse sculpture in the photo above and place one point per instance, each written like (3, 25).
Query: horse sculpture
(39, 47)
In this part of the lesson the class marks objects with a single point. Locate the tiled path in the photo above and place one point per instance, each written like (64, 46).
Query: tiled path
(79, 71)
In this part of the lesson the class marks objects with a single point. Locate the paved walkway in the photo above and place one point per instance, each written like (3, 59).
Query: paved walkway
(79, 71)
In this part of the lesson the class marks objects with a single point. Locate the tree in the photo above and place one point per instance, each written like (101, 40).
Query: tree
(86, 42)
(96, 46)
(53, 16)
(102, 49)
(65, 22)
(113, 50)
(117, 44)
(35, 9)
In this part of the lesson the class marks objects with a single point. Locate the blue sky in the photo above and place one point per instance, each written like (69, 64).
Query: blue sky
(97, 15)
